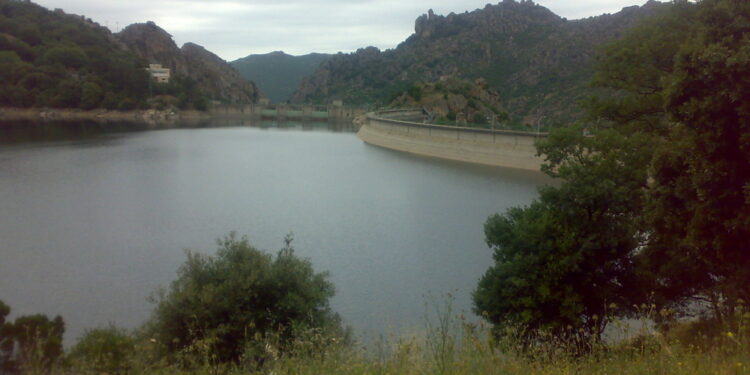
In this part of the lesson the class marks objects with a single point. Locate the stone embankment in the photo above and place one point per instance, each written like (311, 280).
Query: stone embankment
(502, 148)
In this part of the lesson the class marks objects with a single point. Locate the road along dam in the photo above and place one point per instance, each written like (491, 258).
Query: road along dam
(400, 130)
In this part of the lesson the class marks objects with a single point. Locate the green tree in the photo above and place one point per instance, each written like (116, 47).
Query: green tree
(32, 343)
(68, 56)
(562, 263)
(6, 340)
(38, 340)
(662, 188)
(103, 350)
(67, 94)
(701, 191)
(91, 95)
(632, 72)
(231, 301)
(574, 257)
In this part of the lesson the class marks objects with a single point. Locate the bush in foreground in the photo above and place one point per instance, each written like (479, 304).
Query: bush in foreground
(241, 305)
(103, 350)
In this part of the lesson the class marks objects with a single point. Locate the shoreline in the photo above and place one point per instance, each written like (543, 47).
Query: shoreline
(102, 115)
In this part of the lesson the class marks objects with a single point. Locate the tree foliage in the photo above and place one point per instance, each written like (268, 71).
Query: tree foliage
(30, 343)
(566, 261)
(700, 206)
(53, 59)
(652, 203)
(231, 301)
(69, 50)
(103, 350)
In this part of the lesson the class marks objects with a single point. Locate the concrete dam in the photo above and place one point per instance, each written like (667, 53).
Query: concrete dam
(401, 130)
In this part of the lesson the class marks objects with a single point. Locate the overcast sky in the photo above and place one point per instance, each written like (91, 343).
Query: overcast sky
(237, 28)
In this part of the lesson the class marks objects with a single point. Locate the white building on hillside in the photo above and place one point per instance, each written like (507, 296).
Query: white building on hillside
(161, 74)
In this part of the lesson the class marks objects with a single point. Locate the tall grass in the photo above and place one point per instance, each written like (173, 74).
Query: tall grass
(451, 344)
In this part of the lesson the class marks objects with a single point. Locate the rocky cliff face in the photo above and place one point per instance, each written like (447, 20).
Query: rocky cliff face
(153, 44)
(214, 76)
(538, 62)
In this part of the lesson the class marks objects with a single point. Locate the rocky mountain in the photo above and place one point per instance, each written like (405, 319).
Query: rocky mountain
(453, 101)
(213, 76)
(278, 74)
(539, 63)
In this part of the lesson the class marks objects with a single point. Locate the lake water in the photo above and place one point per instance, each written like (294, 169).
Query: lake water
(91, 224)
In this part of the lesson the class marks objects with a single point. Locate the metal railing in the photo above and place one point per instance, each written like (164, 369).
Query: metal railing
(388, 117)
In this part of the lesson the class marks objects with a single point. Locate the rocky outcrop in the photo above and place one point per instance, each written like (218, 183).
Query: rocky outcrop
(214, 77)
(454, 101)
(538, 62)
(153, 44)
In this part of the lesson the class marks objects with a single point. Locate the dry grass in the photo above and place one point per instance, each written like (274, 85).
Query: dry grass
(450, 345)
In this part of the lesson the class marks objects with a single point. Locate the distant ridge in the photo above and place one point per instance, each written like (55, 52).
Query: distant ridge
(277, 73)
(538, 62)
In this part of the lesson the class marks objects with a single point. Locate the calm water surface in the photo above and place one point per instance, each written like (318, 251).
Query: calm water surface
(90, 227)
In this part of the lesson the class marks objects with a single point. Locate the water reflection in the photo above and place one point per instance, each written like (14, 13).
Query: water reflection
(90, 226)
(24, 131)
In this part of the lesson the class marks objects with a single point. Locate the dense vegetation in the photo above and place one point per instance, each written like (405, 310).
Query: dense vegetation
(239, 307)
(653, 208)
(277, 73)
(30, 343)
(53, 59)
(234, 300)
(538, 62)
(457, 102)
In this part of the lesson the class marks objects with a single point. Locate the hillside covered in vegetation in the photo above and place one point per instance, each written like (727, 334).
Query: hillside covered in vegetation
(453, 101)
(212, 77)
(538, 62)
(53, 59)
(277, 73)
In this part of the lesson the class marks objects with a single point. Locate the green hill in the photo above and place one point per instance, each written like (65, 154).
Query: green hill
(277, 74)
(54, 59)
(538, 62)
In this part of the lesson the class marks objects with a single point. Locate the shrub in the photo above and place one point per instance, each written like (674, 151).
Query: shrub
(226, 303)
(91, 95)
(32, 343)
(127, 104)
(103, 350)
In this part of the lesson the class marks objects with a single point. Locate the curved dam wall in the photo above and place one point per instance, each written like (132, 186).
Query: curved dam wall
(502, 148)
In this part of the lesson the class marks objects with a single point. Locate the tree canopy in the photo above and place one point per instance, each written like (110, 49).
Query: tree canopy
(652, 203)
(232, 300)
(30, 343)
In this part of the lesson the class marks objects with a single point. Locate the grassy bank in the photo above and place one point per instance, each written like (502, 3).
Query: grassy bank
(471, 356)
(449, 345)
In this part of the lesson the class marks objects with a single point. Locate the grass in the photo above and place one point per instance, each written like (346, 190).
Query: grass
(475, 353)
(451, 345)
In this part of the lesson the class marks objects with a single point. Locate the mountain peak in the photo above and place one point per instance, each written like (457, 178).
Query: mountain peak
(538, 62)
(490, 17)
(212, 74)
